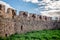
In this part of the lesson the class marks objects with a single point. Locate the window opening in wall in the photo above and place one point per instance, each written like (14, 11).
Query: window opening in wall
(45, 18)
(33, 16)
(40, 17)
(13, 13)
(24, 14)
(6, 35)
(21, 27)
(0, 7)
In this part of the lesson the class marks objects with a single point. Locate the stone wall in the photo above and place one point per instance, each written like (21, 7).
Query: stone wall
(6, 27)
(29, 22)
(10, 23)
(9, 13)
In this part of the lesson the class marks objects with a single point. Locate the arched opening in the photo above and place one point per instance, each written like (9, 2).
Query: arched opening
(33, 16)
(21, 27)
(6, 35)
(0, 7)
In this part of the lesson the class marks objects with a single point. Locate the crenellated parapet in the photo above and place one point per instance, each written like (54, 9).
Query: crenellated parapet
(2, 7)
(11, 13)
(2, 10)
(23, 14)
(32, 16)
(7, 12)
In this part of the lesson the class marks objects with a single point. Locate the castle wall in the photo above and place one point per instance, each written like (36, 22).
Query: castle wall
(29, 25)
(10, 23)
(6, 21)
(32, 22)
(24, 25)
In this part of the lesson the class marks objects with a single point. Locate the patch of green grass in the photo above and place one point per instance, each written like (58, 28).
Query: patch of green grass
(36, 35)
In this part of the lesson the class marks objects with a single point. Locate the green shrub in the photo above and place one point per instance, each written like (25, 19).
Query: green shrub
(36, 35)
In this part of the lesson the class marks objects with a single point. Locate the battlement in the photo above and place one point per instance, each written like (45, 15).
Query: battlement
(7, 12)
(34, 16)
(2, 7)
(11, 13)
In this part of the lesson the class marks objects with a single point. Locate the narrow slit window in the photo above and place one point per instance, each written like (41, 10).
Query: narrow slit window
(13, 12)
(0, 7)
(21, 27)
(6, 35)
(40, 17)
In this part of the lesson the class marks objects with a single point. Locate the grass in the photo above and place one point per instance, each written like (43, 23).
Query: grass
(36, 35)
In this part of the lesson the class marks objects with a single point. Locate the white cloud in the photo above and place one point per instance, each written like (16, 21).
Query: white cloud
(51, 13)
(50, 6)
(27, 0)
(33, 1)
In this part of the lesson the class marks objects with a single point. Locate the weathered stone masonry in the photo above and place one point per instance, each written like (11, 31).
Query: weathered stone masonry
(11, 23)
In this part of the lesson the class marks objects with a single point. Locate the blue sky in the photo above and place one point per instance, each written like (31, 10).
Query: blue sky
(20, 5)
(36, 6)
